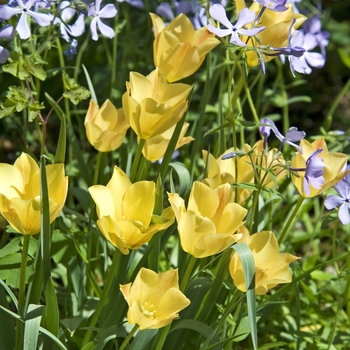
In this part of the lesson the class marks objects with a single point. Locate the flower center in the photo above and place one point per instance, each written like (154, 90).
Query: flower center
(148, 310)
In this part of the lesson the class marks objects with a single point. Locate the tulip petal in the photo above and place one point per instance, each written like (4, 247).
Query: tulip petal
(111, 231)
(102, 196)
(138, 202)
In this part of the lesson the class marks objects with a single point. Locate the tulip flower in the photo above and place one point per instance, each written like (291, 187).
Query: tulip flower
(309, 181)
(125, 211)
(222, 170)
(276, 29)
(154, 299)
(209, 224)
(20, 193)
(179, 49)
(151, 105)
(155, 147)
(105, 126)
(271, 266)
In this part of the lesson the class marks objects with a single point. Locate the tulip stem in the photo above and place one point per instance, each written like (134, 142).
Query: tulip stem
(112, 272)
(21, 291)
(130, 335)
(136, 161)
(290, 219)
(187, 274)
(160, 337)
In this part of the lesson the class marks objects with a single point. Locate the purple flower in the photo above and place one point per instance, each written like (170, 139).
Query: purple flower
(314, 172)
(66, 14)
(135, 3)
(293, 134)
(229, 155)
(245, 17)
(5, 33)
(71, 49)
(295, 9)
(43, 19)
(277, 6)
(313, 26)
(109, 11)
(343, 200)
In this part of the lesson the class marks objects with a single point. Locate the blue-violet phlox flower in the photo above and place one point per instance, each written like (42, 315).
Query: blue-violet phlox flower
(245, 17)
(277, 6)
(292, 135)
(314, 172)
(343, 200)
(109, 11)
(23, 9)
(66, 14)
(6, 32)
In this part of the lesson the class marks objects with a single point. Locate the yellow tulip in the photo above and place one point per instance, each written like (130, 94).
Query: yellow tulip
(221, 171)
(334, 170)
(125, 211)
(154, 299)
(271, 266)
(105, 126)
(179, 49)
(151, 105)
(209, 224)
(155, 147)
(258, 163)
(276, 32)
(20, 193)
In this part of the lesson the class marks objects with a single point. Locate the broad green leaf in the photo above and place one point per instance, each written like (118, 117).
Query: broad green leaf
(32, 325)
(249, 275)
(183, 176)
(51, 312)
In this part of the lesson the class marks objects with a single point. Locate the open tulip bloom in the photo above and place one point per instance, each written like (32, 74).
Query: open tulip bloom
(179, 49)
(318, 169)
(151, 105)
(271, 266)
(154, 299)
(125, 211)
(20, 193)
(106, 126)
(193, 189)
(209, 224)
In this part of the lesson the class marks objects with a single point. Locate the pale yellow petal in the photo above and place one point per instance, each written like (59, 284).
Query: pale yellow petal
(138, 202)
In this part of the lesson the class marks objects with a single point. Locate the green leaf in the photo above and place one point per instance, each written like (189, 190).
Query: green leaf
(51, 313)
(32, 325)
(142, 339)
(10, 269)
(184, 178)
(249, 275)
(197, 326)
(13, 246)
(72, 324)
(45, 228)
(75, 93)
(90, 84)
(7, 331)
(345, 57)
(53, 338)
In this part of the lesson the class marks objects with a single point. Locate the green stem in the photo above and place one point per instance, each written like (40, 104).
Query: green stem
(112, 272)
(136, 161)
(251, 104)
(161, 336)
(291, 218)
(130, 335)
(21, 292)
(188, 272)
